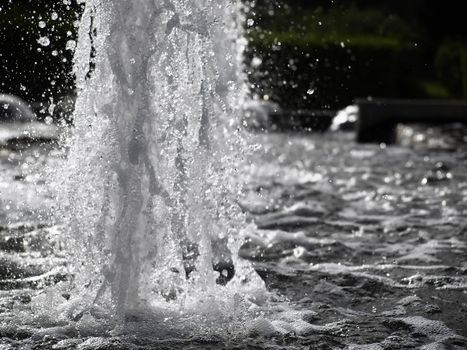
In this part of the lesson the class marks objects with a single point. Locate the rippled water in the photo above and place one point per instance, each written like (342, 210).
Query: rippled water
(359, 244)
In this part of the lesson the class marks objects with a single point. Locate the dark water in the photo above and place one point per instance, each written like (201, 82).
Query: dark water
(370, 241)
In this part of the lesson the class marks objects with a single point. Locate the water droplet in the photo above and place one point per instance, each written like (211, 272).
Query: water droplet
(250, 22)
(256, 62)
(44, 41)
(54, 16)
(70, 45)
(48, 120)
(54, 53)
(310, 91)
(42, 24)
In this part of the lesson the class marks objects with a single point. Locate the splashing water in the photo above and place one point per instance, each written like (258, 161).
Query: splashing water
(367, 245)
(148, 189)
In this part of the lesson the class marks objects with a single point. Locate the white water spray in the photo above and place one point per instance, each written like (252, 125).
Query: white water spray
(148, 188)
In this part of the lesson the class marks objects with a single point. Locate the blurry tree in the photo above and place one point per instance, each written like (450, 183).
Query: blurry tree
(451, 66)
(324, 53)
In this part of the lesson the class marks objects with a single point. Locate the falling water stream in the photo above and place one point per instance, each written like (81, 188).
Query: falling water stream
(147, 196)
(148, 186)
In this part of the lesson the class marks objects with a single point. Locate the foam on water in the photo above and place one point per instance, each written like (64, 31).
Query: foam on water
(147, 192)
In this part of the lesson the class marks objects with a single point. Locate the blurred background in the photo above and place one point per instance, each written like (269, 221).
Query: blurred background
(38, 38)
(303, 54)
(323, 54)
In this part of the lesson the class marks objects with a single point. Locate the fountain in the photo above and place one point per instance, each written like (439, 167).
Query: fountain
(133, 238)
(148, 191)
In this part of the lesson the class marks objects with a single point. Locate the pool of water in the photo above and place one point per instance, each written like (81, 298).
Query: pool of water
(362, 246)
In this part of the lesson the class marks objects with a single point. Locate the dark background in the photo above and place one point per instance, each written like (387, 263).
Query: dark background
(340, 50)
(41, 75)
(314, 54)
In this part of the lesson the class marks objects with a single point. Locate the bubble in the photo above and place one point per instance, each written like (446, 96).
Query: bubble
(310, 91)
(256, 62)
(70, 45)
(44, 41)
(48, 120)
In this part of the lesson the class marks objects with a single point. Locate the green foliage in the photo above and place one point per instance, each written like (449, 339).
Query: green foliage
(451, 66)
(355, 49)
(434, 89)
(339, 24)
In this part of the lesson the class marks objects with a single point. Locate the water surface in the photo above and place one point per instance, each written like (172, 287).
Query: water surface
(360, 244)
